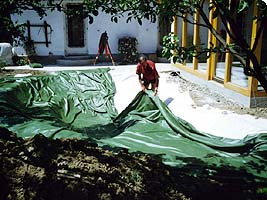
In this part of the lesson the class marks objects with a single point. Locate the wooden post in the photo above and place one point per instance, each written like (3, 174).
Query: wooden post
(213, 63)
(210, 45)
(184, 33)
(46, 33)
(29, 30)
(175, 26)
(253, 82)
(196, 39)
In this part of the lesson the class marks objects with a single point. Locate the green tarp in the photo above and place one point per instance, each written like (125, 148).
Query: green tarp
(68, 104)
(80, 104)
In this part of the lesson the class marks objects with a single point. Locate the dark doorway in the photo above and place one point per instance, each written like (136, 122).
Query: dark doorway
(75, 25)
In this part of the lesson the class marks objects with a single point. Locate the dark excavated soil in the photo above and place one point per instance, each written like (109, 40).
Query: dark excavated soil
(41, 168)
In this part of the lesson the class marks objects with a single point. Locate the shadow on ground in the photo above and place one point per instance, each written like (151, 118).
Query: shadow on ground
(42, 168)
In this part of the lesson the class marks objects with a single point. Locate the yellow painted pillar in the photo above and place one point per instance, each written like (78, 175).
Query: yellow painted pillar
(253, 82)
(213, 63)
(184, 34)
(175, 26)
(211, 43)
(196, 38)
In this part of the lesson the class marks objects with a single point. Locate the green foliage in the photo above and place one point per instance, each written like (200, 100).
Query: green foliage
(173, 51)
(36, 65)
(29, 47)
(2, 65)
(243, 5)
(262, 190)
(20, 60)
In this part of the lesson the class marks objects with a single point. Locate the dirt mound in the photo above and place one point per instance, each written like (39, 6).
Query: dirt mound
(41, 168)
(13, 72)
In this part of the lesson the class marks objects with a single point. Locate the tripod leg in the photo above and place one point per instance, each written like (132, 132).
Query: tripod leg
(96, 58)
(110, 54)
(106, 52)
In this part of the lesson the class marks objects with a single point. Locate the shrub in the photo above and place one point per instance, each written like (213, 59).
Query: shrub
(2, 65)
(20, 60)
(128, 50)
(36, 65)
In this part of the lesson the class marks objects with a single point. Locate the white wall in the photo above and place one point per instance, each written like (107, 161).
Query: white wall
(146, 35)
(56, 20)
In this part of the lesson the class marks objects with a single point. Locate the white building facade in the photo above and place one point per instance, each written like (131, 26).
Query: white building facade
(62, 33)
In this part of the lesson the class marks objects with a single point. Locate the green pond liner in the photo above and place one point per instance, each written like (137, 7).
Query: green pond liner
(80, 104)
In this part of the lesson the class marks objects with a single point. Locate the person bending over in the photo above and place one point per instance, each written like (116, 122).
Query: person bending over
(147, 74)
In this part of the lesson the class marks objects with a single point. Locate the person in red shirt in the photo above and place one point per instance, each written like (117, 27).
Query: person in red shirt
(147, 74)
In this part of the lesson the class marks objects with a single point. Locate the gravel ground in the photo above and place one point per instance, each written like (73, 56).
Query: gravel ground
(202, 95)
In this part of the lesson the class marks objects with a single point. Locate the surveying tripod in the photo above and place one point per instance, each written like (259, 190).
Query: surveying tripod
(103, 45)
